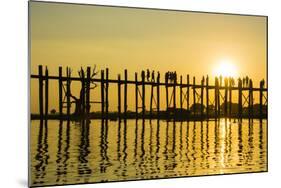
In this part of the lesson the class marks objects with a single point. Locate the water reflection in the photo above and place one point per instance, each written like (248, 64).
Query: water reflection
(104, 163)
(62, 151)
(42, 154)
(103, 150)
(83, 165)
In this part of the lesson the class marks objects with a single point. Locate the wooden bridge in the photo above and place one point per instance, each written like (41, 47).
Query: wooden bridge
(221, 106)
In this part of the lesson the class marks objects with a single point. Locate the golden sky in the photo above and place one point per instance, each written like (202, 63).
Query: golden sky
(118, 38)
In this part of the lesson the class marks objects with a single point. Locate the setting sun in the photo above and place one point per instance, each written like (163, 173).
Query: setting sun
(225, 68)
(123, 93)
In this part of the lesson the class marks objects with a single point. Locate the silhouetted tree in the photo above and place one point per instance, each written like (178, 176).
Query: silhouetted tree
(78, 100)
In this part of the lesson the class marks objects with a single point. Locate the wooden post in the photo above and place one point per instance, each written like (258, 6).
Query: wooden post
(219, 96)
(194, 96)
(106, 92)
(119, 96)
(143, 93)
(181, 101)
(46, 92)
(102, 93)
(83, 101)
(167, 93)
(40, 73)
(88, 81)
(216, 96)
(251, 99)
(68, 104)
(230, 97)
(60, 91)
(174, 96)
(125, 93)
(261, 99)
(151, 101)
(202, 97)
(136, 94)
(225, 96)
(207, 96)
(187, 92)
(240, 98)
(158, 94)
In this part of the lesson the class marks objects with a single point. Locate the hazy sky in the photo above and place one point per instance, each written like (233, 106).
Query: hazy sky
(136, 39)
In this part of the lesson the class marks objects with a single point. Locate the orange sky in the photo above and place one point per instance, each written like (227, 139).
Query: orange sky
(136, 39)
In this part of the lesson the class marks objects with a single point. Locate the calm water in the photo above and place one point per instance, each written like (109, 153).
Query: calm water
(99, 151)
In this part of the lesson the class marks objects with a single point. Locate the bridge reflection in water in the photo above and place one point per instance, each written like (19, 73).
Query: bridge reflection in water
(64, 152)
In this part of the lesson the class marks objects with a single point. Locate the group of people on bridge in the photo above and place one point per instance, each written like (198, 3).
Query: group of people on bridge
(150, 77)
(171, 77)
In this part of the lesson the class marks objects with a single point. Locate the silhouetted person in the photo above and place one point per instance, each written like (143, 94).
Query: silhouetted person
(152, 77)
(53, 111)
(168, 76)
(171, 76)
(240, 81)
(262, 81)
(247, 81)
(147, 75)
(142, 75)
